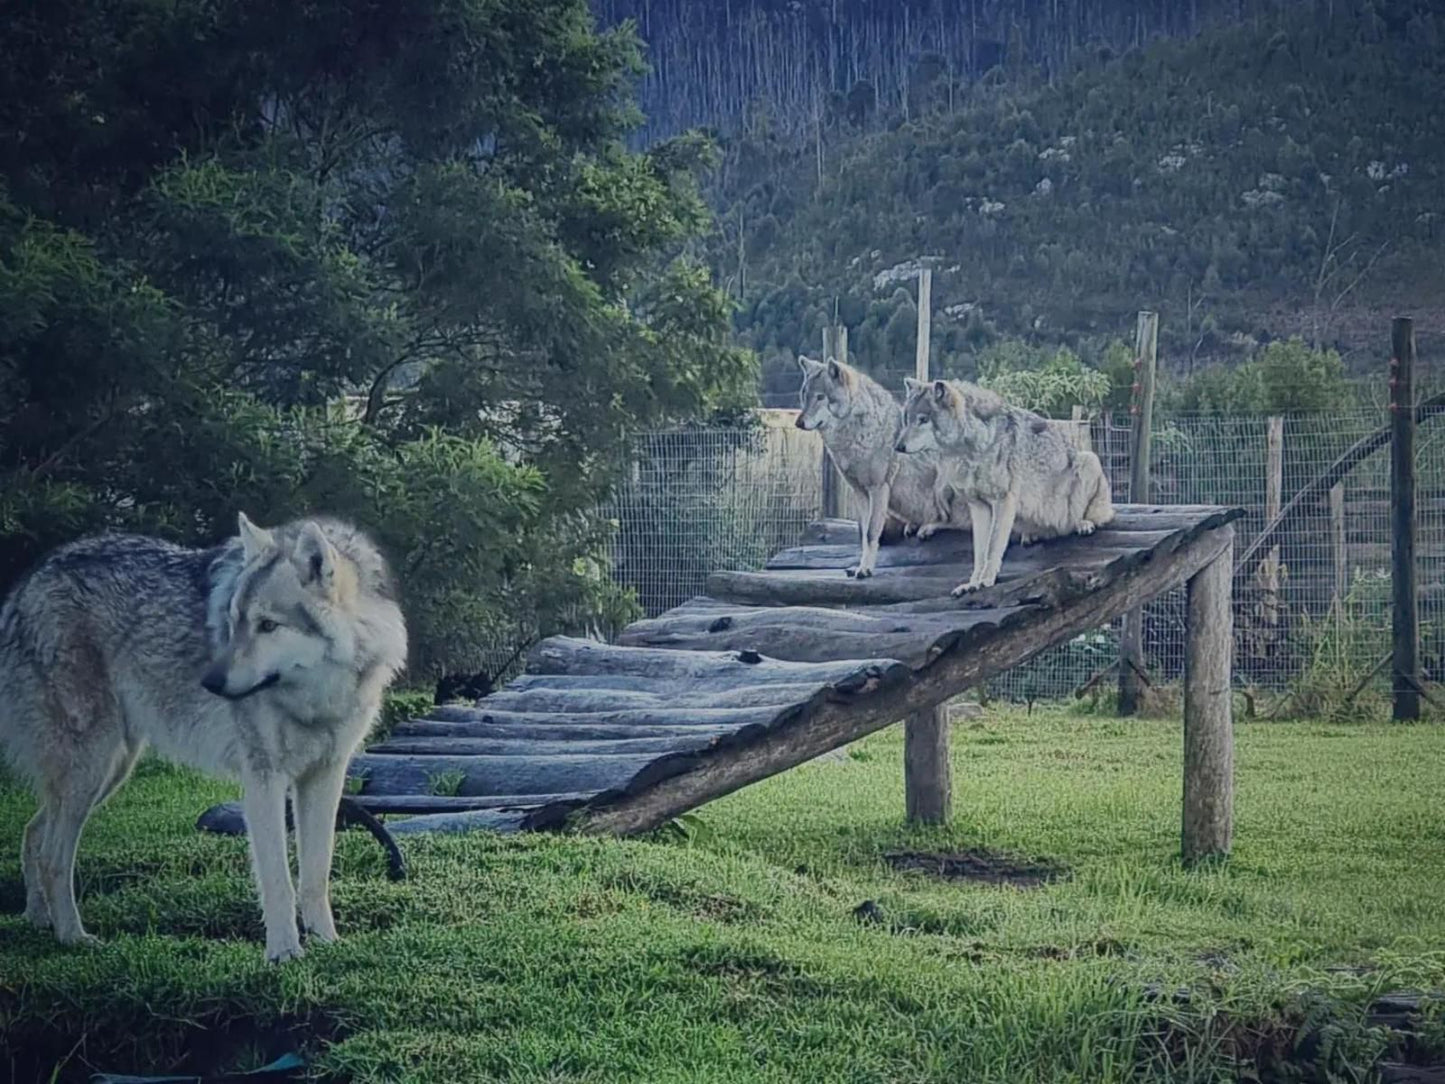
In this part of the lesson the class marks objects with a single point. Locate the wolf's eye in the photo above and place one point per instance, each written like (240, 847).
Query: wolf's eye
(923, 419)
(818, 397)
(266, 625)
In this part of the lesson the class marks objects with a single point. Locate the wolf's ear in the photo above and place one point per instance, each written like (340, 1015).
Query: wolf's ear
(808, 365)
(911, 385)
(943, 395)
(835, 371)
(254, 541)
(315, 557)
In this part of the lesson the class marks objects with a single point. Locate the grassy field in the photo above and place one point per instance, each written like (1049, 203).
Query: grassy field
(732, 951)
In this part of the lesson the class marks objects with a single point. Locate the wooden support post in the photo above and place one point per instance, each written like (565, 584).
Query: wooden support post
(927, 785)
(1402, 520)
(1208, 711)
(1338, 546)
(1079, 429)
(925, 322)
(1131, 635)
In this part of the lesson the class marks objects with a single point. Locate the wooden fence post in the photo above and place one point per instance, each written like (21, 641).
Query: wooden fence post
(927, 784)
(1209, 710)
(1338, 544)
(835, 488)
(1131, 635)
(1402, 520)
(1273, 499)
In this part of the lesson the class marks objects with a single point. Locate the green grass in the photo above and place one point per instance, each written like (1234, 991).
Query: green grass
(729, 950)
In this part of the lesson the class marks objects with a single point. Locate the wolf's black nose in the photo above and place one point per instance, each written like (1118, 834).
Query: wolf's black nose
(214, 681)
(899, 447)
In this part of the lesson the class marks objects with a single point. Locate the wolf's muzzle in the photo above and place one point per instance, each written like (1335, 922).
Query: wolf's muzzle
(214, 681)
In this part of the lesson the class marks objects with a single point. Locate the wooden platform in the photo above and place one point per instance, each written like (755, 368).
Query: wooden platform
(766, 671)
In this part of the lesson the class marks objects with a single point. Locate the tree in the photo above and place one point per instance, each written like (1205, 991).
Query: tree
(221, 221)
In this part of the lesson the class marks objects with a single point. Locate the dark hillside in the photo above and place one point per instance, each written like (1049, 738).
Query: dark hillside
(1253, 182)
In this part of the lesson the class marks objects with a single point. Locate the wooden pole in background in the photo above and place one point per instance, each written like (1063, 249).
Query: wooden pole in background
(1402, 520)
(1131, 635)
(927, 782)
(1273, 499)
(835, 488)
(1338, 544)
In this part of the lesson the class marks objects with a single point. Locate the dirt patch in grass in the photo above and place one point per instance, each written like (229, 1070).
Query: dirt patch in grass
(983, 866)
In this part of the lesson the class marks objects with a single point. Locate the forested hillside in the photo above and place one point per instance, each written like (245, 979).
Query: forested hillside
(723, 64)
(1267, 177)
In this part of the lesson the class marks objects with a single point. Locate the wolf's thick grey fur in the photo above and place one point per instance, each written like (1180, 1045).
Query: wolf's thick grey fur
(263, 659)
(859, 420)
(1010, 466)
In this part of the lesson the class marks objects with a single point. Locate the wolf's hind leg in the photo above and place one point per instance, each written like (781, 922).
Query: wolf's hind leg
(68, 804)
(37, 908)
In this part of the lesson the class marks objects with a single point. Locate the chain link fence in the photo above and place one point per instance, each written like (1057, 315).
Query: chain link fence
(1315, 607)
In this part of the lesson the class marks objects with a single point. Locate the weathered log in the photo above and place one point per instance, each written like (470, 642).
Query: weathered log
(505, 775)
(1208, 708)
(228, 819)
(492, 820)
(827, 725)
(676, 697)
(536, 746)
(1127, 516)
(561, 732)
(484, 718)
(956, 548)
(912, 639)
(824, 589)
(567, 656)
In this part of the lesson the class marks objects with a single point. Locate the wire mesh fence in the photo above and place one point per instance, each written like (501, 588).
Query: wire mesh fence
(1318, 600)
(700, 500)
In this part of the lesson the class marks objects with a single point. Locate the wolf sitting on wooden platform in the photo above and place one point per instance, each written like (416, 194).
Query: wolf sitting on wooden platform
(1010, 466)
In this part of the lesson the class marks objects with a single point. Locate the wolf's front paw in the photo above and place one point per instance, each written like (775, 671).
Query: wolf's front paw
(927, 531)
(862, 573)
(1086, 527)
(911, 529)
(964, 588)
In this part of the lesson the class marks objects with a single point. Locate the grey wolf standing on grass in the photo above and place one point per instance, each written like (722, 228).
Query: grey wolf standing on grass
(858, 420)
(264, 659)
(1008, 465)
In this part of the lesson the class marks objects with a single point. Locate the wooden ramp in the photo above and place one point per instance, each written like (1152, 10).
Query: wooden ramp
(766, 671)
